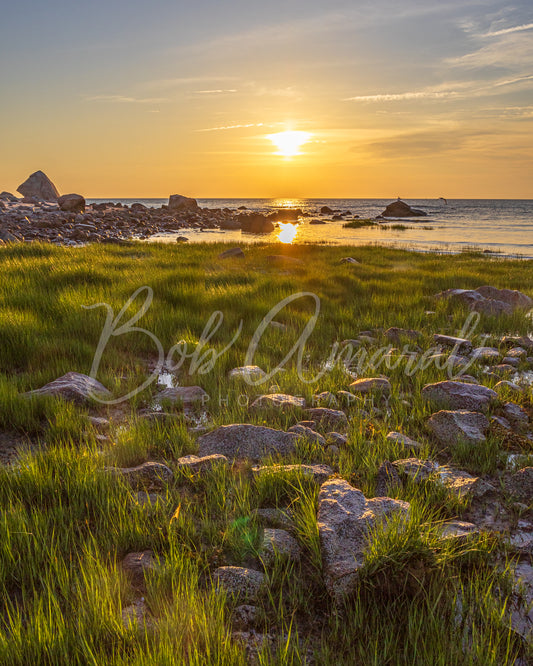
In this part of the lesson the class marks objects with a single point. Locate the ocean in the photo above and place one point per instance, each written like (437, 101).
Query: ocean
(498, 226)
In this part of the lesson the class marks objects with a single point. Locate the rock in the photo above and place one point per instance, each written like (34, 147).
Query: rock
(401, 209)
(147, 475)
(274, 517)
(460, 531)
(490, 300)
(236, 252)
(330, 418)
(467, 296)
(520, 485)
(38, 185)
(336, 439)
(325, 399)
(72, 203)
(230, 225)
(487, 354)
(319, 473)
(458, 395)
(255, 223)
(406, 442)
(349, 260)
(395, 334)
(522, 610)
(516, 299)
(492, 308)
(450, 341)
(245, 616)
(241, 584)
(247, 441)
(196, 464)
(326, 210)
(511, 360)
(280, 401)
(182, 239)
(345, 519)
(187, 395)
(452, 427)
(74, 387)
(387, 480)
(148, 500)
(371, 385)
(136, 616)
(177, 202)
(7, 237)
(7, 196)
(136, 565)
(517, 341)
(251, 372)
(279, 544)
(308, 434)
(517, 416)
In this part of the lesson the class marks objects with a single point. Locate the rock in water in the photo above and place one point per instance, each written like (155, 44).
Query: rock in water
(180, 203)
(345, 518)
(72, 203)
(401, 209)
(40, 186)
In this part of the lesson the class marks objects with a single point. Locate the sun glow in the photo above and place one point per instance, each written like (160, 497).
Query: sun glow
(288, 143)
(287, 232)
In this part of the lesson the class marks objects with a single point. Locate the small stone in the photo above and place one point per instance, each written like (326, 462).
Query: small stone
(387, 480)
(319, 473)
(520, 485)
(459, 395)
(452, 427)
(460, 531)
(251, 372)
(280, 401)
(236, 252)
(308, 434)
(279, 544)
(196, 464)
(188, 395)
(517, 416)
(371, 385)
(403, 440)
(336, 439)
(148, 474)
(242, 584)
(449, 341)
(325, 417)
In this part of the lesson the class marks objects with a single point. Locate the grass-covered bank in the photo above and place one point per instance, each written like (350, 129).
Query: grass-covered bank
(66, 525)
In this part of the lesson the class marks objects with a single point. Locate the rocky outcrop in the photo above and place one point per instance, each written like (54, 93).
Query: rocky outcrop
(247, 441)
(177, 202)
(401, 209)
(74, 387)
(345, 519)
(452, 427)
(38, 185)
(71, 203)
(459, 395)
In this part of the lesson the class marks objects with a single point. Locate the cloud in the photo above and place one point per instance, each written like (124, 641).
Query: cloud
(395, 97)
(123, 99)
(229, 127)
(511, 50)
(215, 92)
(507, 31)
(421, 144)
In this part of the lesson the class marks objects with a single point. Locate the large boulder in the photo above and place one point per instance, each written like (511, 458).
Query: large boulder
(74, 387)
(255, 223)
(489, 300)
(177, 202)
(72, 203)
(247, 441)
(38, 185)
(459, 395)
(345, 520)
(453, 427)
(401, 209)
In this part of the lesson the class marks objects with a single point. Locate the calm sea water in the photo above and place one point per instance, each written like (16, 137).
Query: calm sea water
(500, 226)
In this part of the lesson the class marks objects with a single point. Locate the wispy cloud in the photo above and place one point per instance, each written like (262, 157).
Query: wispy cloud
(507, 31)
(219, 91)
(229, 127)
(123, 99)
(395, 97)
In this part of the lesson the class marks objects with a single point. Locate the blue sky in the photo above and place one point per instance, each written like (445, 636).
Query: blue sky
(141, 99)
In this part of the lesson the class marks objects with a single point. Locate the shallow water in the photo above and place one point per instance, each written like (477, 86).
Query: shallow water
(498, 226)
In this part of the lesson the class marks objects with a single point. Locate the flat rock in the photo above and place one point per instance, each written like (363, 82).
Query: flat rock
(462, 344)
(242, 584)
(74, 387)
(330, 418)
(452, 427)
(459, 395)
(247, 441)
(345, 518)
(404, 441)
(319, 473)
(147, 475)
(251, 372)
(279, 544)
(459, 530)
(196, 464)
(371, 385)
(280, 401)
(187, 395)
(38, 185)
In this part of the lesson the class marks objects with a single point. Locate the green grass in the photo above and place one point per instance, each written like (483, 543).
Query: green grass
(65, 524)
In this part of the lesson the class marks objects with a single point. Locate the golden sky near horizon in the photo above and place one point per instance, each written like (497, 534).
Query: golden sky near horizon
(285, 99)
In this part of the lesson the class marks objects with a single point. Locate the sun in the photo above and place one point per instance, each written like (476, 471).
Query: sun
(288, 143)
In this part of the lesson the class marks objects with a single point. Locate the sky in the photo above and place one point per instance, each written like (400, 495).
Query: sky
(416, 98)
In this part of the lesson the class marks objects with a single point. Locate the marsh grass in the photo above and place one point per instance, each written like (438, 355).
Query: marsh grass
(65, 524)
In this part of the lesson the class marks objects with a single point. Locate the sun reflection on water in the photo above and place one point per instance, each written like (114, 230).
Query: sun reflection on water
(287, 232)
